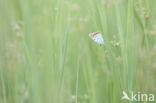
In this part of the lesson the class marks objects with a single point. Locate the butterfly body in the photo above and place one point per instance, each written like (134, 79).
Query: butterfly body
(97, 37)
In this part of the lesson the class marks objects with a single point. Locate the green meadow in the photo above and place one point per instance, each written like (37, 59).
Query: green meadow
(46, 55)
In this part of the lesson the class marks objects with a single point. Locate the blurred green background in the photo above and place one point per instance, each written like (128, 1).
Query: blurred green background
(46, 55)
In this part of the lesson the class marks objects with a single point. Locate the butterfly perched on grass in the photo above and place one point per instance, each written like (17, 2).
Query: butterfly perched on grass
(97, 37)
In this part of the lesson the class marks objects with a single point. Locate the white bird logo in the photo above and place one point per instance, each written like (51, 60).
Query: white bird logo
(125, 96)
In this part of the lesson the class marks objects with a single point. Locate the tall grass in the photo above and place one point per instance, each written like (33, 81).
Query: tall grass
(46, 55)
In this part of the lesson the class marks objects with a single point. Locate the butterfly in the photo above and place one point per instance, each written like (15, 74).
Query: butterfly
(97, 37)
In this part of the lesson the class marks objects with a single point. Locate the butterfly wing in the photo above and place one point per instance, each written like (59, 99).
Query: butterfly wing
(98, 39)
